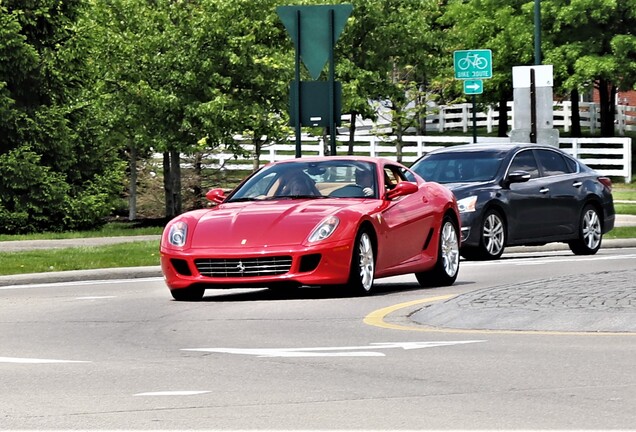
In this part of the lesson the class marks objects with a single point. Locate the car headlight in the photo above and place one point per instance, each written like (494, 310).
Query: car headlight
(324, 229)
(178, 233)
(467, 205)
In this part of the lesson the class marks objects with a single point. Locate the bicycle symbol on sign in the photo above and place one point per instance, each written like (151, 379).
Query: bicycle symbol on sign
(472, 60)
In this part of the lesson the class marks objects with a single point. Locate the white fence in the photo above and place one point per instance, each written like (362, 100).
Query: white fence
(609, 156)
(460, 117)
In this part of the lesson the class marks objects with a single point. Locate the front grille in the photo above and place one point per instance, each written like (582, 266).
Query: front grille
(244, 267)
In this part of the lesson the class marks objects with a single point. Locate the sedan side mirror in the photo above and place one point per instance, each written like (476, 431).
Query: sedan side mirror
(401, 189)
(518, 177)
(215, 195)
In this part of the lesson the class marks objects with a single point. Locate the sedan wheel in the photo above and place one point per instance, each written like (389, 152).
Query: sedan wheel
(447, 266)
(493, 238)
(362, 265)
(590, 233)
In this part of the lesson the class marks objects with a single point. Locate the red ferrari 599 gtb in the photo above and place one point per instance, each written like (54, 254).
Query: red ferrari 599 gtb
(315, 221)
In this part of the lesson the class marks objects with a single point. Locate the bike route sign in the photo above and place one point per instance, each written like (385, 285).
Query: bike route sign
(472, 87)
(473, 64)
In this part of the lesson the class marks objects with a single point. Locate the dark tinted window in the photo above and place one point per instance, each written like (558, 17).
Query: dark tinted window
(572, 165)
(459, 167)
(552, 163)
(525, 161)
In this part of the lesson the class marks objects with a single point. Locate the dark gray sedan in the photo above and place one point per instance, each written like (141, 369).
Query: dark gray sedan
(522, 194)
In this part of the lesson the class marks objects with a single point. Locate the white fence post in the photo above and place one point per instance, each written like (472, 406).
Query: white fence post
(465, 117)
(567, 115)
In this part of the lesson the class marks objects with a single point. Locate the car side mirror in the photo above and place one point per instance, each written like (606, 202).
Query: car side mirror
(517, 177)
(217, 196)
(401, 189)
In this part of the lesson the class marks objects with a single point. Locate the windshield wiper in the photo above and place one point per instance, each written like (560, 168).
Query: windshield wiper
(296, 197)
(244, 199)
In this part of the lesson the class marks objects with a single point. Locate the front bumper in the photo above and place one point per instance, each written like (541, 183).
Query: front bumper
(323, 264)
(469, 234)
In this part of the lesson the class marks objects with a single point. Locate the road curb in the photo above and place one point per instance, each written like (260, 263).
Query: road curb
(81, 275)
(155, 271)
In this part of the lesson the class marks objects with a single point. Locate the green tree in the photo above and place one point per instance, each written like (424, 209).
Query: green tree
(45, 130)
(388, 53)
(503, 26)
(592, 43)
(186, 76)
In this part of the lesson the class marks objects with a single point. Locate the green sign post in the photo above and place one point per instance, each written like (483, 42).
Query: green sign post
(315, 30)
(472, 66)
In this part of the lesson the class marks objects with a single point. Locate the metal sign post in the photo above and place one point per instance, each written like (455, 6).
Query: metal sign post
(472, 66)
(321, 28)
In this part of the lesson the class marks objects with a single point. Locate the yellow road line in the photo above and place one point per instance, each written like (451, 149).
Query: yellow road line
(377, 319)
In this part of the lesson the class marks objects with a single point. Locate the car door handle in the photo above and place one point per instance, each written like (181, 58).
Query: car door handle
(544, 190)
(577, 184)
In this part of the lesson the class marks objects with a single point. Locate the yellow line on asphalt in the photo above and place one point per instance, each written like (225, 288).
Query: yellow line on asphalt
(377, 319)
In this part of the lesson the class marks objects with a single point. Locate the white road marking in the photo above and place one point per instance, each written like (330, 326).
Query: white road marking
(82, 283)
(36, 361)
(542, 261)
(174, 393)
(95, 298)
(352, 351)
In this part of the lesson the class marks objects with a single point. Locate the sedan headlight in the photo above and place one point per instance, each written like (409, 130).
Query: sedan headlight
(467, 205)
(324, 229)
(178, 234)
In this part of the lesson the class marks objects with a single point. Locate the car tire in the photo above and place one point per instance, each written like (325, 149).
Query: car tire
(188, 294)
(590, 233)
(492, 238)
(447, 266)
(362, 269)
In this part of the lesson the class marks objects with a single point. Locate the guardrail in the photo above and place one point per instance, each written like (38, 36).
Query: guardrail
(608, 156)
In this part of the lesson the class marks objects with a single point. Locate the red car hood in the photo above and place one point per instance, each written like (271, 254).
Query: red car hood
(262, 224)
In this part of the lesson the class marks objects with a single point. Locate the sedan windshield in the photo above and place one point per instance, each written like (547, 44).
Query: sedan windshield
(456, 167)
(342, 178)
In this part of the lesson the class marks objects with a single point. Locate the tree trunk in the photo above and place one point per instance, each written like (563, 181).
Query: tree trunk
(399, 132)
(326, 144)
(168, 186)
(196, 187)
(132, 187)
(175, 161)
(607, 94)
(258, 148)
(576, 115)
(352, 132)
(421, 111)
(502, 123)
(172, 183)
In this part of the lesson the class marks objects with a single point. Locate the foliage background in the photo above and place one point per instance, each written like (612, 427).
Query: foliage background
(89, 89)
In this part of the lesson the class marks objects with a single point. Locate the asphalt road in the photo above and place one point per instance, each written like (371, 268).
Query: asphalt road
(120, 354)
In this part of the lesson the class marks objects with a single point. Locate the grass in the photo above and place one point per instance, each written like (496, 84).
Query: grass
(112, 229)
(135, 254)
(621, 233)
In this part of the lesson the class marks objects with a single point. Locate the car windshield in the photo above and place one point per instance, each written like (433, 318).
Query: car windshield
(459, 167)
(340, 178)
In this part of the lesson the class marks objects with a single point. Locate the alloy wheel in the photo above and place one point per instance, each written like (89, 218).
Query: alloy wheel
(366, 262)
(450, 249)
(493, 234)
(591, 229)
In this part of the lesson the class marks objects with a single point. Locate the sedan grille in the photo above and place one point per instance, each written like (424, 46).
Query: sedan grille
(244, 267)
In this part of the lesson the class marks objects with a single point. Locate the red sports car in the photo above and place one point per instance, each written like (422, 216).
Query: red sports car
(339, 220)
